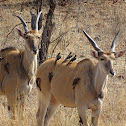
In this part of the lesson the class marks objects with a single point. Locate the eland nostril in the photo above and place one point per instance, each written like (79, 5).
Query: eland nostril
(112, 72)
(35, 51)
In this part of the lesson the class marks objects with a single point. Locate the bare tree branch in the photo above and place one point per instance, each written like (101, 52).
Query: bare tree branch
(11, 32)
(14, 28)
(61, 35)
(59, 40)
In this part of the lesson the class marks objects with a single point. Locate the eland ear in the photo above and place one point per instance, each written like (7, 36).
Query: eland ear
(20, 33)
(120, 53)
(94, 53)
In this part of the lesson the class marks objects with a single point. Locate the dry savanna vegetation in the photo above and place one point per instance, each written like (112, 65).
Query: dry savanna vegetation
(101, 19)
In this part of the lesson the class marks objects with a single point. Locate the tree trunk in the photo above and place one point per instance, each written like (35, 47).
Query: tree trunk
(46, 35)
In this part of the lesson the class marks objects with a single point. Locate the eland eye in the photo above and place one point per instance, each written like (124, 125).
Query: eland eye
(26, 37)
(38, 37)
(101, 59)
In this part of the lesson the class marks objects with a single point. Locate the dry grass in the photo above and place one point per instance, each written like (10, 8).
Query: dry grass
(101, 20)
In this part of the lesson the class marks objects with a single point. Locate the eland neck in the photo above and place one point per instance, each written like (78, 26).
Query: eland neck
(29, 63)
(100, 79)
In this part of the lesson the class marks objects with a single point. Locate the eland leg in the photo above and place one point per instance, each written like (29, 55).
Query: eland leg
(82, 111)
(43, 105)
(21, 108)
(51, 110)
(96, 113)
(11, 107)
